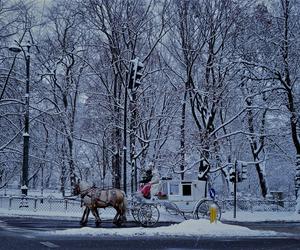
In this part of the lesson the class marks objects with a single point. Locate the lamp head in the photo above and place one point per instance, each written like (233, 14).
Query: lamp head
(15, 49)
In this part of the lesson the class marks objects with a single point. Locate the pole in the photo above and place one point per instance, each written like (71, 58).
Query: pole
(125, 132)
(234, 190)
(132, 138)
(26, 129)
(125, 142)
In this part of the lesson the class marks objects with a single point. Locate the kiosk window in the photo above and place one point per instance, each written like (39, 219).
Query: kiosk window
(187, 190)
(174, 189)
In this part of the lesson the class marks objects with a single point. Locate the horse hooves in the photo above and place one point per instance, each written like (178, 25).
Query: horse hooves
(83, 224)
(117, 223)
(98, 223)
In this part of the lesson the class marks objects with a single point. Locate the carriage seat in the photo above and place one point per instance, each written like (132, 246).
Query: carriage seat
(146, 191)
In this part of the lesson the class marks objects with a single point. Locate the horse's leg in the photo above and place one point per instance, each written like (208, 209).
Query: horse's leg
(117, 216)
(122, 210)
(85, 216)
(120, 207)
(123, 213)
(96, 215)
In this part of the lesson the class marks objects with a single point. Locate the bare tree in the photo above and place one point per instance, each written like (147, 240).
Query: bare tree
(278, 59)
(125, 32)
(62, 70)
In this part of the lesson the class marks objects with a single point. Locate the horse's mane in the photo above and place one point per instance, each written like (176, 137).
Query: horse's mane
(84, 185)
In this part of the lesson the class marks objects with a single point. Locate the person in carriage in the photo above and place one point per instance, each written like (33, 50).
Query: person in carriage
(150, 183)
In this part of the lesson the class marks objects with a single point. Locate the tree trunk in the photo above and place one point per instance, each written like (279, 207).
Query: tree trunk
(71, 162)
(286, 81)
(182, 133)
(63, 179)
(255, 150)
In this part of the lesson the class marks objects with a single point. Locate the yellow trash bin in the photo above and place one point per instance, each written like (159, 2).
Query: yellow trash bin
(213, 210)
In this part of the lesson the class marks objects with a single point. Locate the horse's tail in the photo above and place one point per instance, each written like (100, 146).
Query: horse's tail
(125, 204)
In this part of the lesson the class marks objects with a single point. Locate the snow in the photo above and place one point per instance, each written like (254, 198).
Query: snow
(198, 228)
(191, 227)
(186, 228)
(262, 216)
(181, 227)
(227, 216)
(24, 187)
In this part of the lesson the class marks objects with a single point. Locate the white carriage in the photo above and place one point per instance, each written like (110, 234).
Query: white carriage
(178, 197)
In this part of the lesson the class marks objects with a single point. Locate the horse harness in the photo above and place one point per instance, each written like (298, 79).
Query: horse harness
(95, 195)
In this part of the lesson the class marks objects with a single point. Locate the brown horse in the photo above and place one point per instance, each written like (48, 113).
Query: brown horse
(94, 198)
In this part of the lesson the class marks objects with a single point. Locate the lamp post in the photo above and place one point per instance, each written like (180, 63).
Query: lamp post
(17, 49)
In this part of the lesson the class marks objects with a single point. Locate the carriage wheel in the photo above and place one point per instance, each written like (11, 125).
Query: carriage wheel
(202, 210)
(135, 213)
(148, 215)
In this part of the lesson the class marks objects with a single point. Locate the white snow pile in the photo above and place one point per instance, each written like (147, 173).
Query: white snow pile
(185, 228)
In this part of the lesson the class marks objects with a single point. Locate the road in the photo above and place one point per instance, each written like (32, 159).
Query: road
(28, 233)
(281, 227)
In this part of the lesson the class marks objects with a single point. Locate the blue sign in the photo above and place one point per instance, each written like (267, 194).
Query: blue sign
(212, 193)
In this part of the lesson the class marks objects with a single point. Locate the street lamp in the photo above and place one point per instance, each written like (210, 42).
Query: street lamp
(18, 49)
(15, 49)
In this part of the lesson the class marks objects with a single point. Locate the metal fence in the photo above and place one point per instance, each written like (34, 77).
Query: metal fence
(45, 204)
(69, 206)
(39, 203)
(259, 205)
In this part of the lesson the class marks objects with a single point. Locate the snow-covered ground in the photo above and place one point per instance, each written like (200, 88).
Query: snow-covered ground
(181, 228)
(186, 228)
(194, 227)
(109, 213)
(262, 216)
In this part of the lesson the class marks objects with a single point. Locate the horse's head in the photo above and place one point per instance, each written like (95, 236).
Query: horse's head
(76, 188)
(80, 187)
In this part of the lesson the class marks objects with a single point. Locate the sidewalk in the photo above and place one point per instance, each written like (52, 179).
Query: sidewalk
(260, 216)
(241, 216)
